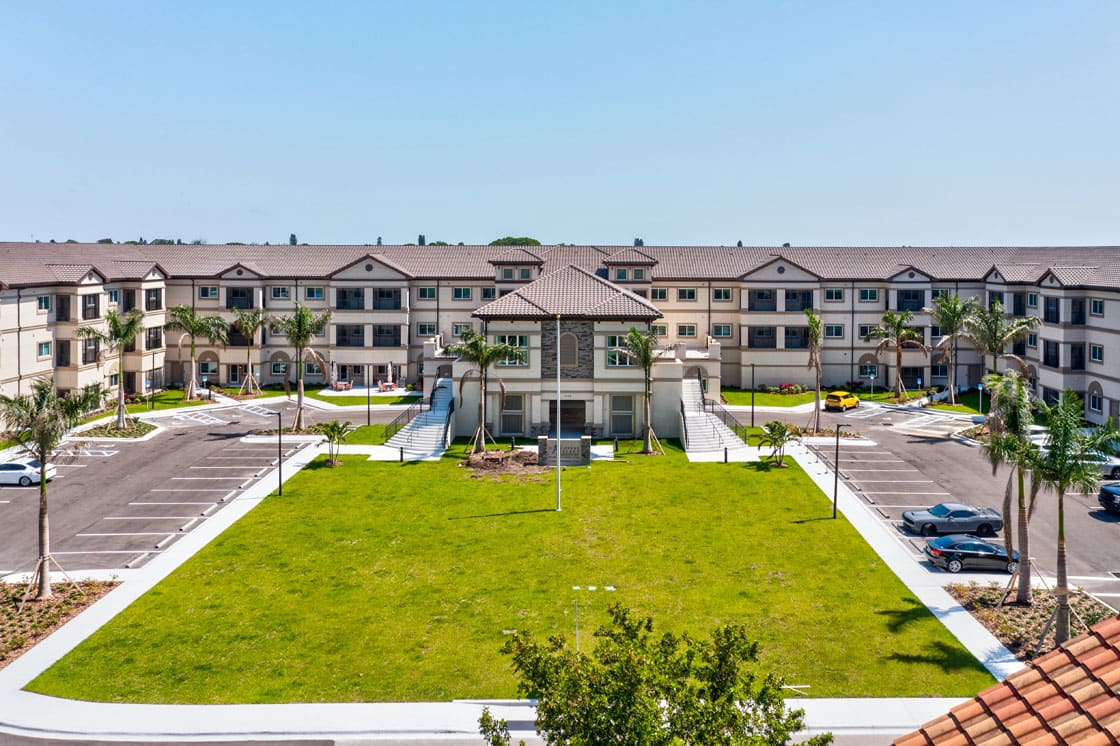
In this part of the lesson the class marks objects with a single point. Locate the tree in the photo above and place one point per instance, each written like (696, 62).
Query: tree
(1009, 443)
(182, 318)
(894, 334)
(952, 314)
(776, 435)
(515, 241)
(292, 240)
(420, 239)
(990, 332)
(120, 331)
(1065, 463)
(640, 689)
(640, 347)
(248, 322)
(816, 339)
(41, 420)
(336, 433)
(379, 240)
(475, 349)
(300, 327)
(639, 242)
(104, 240)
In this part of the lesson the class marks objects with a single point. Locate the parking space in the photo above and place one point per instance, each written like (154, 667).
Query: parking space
(930, 423)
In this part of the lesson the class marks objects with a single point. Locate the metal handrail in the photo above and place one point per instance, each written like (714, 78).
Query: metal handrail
(684, 426)
(715, 408)
(403, 419)
(447, 424)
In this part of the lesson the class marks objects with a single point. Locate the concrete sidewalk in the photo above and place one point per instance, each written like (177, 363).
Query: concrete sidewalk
(31, 718)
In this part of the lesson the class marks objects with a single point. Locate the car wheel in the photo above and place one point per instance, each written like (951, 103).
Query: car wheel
(954, 565)
(25, 481)
(1115, 473)
(984, 529)
(1011, 567)
(929, 529)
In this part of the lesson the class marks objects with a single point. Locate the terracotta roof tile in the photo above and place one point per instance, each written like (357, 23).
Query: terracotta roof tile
(570, 292)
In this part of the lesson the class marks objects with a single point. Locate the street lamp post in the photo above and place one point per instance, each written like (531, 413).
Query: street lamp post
(367, 394)
(872, 377)
(151, 395)
(836, 469)
(557, 415)
(752, 394)
(279, 454)
(980, 388)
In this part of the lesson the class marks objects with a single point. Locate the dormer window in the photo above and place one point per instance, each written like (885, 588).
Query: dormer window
(507, 274)
(510, 274)
(638, 274)
(525, 274)
(621, 274)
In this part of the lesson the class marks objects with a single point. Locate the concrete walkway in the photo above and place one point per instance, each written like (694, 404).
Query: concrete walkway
(27, 718)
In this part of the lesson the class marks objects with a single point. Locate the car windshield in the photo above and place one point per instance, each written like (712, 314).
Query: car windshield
(939, 511)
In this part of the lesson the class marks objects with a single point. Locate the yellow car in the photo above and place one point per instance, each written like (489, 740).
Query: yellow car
(841, 400)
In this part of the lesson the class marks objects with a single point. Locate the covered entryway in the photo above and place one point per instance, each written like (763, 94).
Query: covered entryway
(573, 417)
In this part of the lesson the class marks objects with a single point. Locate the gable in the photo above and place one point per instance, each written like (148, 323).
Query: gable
(780, 269)
(370, 268)
(92, 278)
(239, 272)
(911, 274)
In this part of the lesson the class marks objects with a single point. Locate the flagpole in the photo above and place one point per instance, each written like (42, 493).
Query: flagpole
(557, 413)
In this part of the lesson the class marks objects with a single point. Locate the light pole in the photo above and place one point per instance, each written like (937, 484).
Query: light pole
(592, 588)
(367, 394)
(872, 377)
(558, 419)
(151, 395)
(752, 394)
(980, 388)
(836, 470)
(279, 454)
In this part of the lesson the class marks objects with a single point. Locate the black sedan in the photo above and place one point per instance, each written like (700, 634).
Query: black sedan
(958, 552)
(1109, 497)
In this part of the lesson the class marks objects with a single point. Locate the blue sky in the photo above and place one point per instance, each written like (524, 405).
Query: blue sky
(581, 122)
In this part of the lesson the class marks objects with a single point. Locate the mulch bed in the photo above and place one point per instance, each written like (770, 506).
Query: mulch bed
(512, 462)
(138, 430)
(1020, 627)
(22, 630)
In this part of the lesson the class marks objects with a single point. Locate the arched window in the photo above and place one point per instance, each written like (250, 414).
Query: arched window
(569, 350)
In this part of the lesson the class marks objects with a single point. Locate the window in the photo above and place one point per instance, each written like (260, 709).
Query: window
(62, 354)
(1095, 404)
(834, 295)
(995, 296)
(281, 293)
(1032, 300)
(798, 300)
(521, 342)
(489, 293)
(525, 274)
(638, 274)
(721, 295)
(569, 350)
(911, 300)
(312, 369)
(91, 307)
(1096, 353)
(44, 303)
(868, 295)
(721, 330)
(461, 293)
(617, 354)
(350, 335)
(833, 331)
(686, 330)
(153, 338)
(1050, 356)
(1051, 310)
(622, 415)
(279, 369)
(1096, 307)
(935, 332)
(865, 330)
(507, 273)
(761, 300)
(208, 367)
(866, 371)
(938, 293)
(426, 329)
(386, 335)
(208, 292)
(657, 293)
(313, 293)
(1032, 340)
(939, 371)
(239, 298)
(350, 299)
(44, 349)
(513, 419)
(114, 296)
(686, 294)
(153, 299)
(660, 330)
(115, 380)
(459, 329)
(621, 274)
(62, 310)
(426, 293)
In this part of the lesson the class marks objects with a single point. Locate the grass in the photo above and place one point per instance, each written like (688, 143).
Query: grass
(345, 401)
(763, 399)
(382, 581)
(967, 402)
(169, 399)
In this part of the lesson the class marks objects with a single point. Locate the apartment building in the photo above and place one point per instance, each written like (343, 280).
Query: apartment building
(737, 310)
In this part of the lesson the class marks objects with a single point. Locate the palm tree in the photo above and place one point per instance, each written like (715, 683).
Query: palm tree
(1010, 444)
(640, 346)
(894, 333)
(776, 435)
(248, 321)
(1065, 463)
(213, 328)
(952, 313)
(300, 327)
(990, 332)
(336, 433)
(816, 338)
(41, 420)
(475, 349)
(120, 331)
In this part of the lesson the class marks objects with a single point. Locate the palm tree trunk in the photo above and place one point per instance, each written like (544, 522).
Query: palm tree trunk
(44, 591)
(1061, 630)
(120, 391)
(297, 421)
(1006, 511)
(1023, 597)
(817, 402)
(192, 386)
(480, 434)
(952, 376)
(898, 373)
(647, 441)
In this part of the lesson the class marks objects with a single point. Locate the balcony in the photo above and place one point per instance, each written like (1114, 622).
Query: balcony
(350, 336)
(761, 338)
(1077, 313)
(386, 336)
(762, 300)
(239, 298)
(799, 300)
(911, 300)
(797, 338)
(350, 299)
(1051, 311)
(387, 299)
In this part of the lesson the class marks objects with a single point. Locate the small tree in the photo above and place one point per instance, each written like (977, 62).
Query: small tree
(301, 326)
(645, 690)
(292, 240)
(991, 332)
(894, 333)
(120, 331)
(40, 421)
(336, 433)
(475, 349)
(213, 328)
(776, 435)
(952, 314)
(640, 347)
(248, 322)
(816, 338)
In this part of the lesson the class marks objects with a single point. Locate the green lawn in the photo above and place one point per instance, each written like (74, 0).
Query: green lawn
(763, 399)
(382, 581)
(169, 399)
(968, 401)
(347, 401)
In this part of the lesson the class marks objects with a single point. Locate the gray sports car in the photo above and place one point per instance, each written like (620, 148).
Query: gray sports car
(953, 518)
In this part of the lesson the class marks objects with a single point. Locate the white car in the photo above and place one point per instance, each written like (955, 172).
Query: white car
(24, 473)
(1109, 465)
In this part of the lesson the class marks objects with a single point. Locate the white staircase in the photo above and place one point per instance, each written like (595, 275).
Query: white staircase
(705, 431)
(424, 435)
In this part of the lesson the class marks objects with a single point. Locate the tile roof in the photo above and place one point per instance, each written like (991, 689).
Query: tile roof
(630, 256)
(1071, 695)
(571, 292)
(1074, 275)
(517, 256)
(69, 272)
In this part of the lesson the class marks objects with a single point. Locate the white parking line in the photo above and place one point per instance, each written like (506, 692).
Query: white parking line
(71, 466)
(205, 489)
(237, 458)
(104, 551)
(877, 470)
(4, 502)
(207, 502)
(881, 505)
(903, 493)
(186, 479)
(894, 481)
(1093, 577)
(126, 533)
(221, 467)
(149, 517)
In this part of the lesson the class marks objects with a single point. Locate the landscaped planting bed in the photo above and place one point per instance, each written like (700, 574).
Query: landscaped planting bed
(379, 581)
(20, 629)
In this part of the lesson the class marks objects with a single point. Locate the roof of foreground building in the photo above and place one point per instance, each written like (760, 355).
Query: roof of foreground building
(570, 292)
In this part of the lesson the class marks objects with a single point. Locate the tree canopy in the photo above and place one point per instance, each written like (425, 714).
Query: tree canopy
(515, 241)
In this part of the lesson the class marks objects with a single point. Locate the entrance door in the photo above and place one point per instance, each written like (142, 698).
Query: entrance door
(236, 373)
(573, 417)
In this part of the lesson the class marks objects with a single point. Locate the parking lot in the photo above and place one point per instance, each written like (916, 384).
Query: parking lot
(119, 504)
